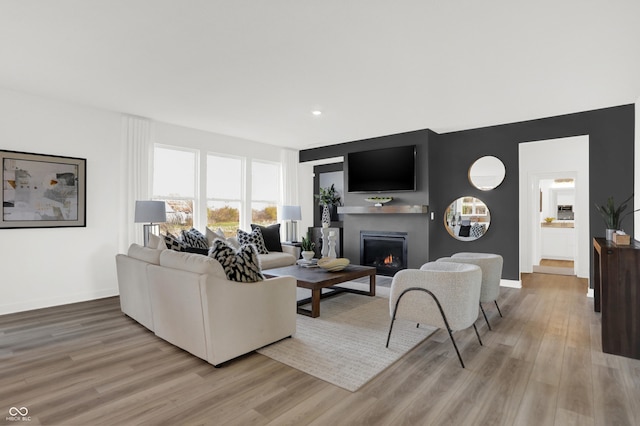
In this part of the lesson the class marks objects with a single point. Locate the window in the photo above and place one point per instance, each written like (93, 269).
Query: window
(224, 193)
(214, 190)
(265, 192)
(174, 180)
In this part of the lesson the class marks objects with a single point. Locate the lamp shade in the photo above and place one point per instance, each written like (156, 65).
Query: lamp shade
(148, 211)
(291, 213)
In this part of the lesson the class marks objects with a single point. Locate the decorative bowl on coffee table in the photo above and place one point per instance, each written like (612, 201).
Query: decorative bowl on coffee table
(333, 264)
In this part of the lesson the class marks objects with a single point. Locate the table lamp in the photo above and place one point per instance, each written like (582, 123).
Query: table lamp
(291, 214)
(150, 213)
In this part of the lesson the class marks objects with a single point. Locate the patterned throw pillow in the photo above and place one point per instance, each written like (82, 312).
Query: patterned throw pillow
(255, 238)
(194, 238)
(477, 230)
(173, 243)
(240, 265)
(271, 236)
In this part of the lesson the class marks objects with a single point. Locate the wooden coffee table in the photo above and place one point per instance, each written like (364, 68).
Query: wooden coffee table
(316, 279)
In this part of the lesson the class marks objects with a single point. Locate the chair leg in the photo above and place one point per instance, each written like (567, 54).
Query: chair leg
(476, 329)
(485, 316)
(455, 347)
(496, 302)
(444, 318)
(390, 328)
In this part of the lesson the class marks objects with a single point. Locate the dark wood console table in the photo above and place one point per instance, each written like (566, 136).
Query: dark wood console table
(616, 288)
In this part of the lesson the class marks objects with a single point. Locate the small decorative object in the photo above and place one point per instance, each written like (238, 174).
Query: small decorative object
(332, 245)
(611, 215)
(378, 201)
(324, 252)
(621, 239)
(548, 219)
(333, 265)
(327, 198)
(307, 248)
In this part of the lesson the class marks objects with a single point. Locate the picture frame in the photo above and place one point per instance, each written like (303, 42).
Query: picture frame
(42, 191)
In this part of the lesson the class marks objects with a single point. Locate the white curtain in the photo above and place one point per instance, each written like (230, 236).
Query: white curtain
(137, 150)
(289, 159)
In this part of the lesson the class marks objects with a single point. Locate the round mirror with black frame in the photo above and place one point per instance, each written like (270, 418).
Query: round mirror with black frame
(487, 173)
(467, 218)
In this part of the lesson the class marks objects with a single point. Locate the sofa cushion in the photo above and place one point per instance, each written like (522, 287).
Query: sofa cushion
(271, 236)
(191, 262)
(240, 265)
(212, 235)
(254, 238)
(276, 260)
(146, 254)
(194, 238)
(157, 242)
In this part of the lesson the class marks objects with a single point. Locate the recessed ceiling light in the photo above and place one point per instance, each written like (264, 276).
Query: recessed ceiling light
(316, 112)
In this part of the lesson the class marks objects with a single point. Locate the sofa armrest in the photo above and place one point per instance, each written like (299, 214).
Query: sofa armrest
(293, 250)
(242, 317)
(133, 287)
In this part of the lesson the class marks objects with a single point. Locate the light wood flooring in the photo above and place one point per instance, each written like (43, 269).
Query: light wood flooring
(88, 364)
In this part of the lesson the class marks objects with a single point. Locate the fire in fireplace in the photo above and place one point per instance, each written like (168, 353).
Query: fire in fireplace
(387, 251)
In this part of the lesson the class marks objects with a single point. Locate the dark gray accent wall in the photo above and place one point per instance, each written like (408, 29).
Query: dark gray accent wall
(445, 160)
(415, 224)
(611, 153)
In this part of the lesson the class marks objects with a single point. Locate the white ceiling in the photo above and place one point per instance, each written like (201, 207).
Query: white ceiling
(256, 68)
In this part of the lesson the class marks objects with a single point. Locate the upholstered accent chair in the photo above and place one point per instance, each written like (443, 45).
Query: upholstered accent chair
(443, 295)
(491, 265)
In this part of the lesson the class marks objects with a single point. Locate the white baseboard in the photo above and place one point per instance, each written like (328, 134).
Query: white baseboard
(511, 283)
(590, 293)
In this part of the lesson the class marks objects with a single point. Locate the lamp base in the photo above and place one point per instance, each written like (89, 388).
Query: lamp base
(149, 228)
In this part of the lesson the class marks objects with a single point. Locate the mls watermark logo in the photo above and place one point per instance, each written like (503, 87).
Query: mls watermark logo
(18, 415)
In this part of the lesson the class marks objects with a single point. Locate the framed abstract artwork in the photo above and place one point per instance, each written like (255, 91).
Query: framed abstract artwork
(42, 191)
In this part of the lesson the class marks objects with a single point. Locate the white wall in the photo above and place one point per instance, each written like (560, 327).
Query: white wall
(52, 266)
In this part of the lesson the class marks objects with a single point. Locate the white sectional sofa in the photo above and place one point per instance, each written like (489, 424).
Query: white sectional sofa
(187, 300)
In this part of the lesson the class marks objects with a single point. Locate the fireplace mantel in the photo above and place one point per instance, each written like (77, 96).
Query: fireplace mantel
(392, 209)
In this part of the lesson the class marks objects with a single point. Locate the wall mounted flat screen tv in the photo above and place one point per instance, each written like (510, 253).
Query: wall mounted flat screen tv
(382, 170)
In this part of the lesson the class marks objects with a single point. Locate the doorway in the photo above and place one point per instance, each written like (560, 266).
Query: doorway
(555, 251)
(541, 163)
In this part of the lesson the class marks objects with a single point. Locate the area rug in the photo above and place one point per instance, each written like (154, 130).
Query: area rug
(345, 345)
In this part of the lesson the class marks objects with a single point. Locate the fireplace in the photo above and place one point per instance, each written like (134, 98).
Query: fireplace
(387, 251)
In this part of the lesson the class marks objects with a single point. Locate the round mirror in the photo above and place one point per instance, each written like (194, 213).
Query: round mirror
(467, 218)
(486, 173)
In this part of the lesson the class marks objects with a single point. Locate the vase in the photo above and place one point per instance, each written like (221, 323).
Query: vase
(308, 255)
(326, 216)
(609, 234)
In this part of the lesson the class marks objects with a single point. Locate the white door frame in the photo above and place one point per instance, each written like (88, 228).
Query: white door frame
(547, 158)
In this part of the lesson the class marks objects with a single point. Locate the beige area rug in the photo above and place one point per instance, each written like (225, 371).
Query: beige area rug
(345, 345)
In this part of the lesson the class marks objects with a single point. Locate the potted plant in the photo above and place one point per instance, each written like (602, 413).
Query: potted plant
(327, 198)
(307, 248)
(611, 215)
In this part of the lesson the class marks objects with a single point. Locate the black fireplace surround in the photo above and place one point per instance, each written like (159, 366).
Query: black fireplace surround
(387, 251)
